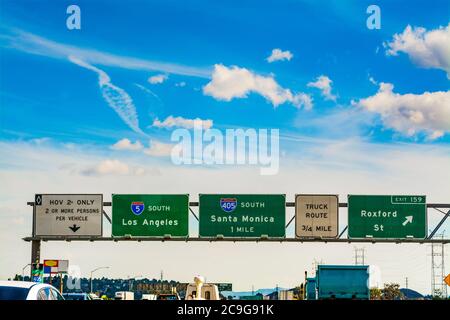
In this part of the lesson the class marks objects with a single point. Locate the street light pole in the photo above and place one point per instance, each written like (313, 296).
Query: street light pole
(129, 282)
(23, 270)
(94, 271)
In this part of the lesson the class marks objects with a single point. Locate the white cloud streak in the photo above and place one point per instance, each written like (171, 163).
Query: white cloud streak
(117, 98)
(112, 167)
(158, 79)
(427, 49)
(234, 82)
(181, 122)
(126, 144)
(159, 149)
(34, 44)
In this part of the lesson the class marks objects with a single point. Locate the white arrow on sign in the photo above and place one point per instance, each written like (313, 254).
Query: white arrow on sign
(409, 219)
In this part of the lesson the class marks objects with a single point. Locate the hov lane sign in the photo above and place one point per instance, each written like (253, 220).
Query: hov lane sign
(387, 217)
(316, 216)
(70, 215)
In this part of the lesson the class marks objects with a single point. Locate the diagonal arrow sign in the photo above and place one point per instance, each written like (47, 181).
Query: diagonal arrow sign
(74, 228)
(408, 219)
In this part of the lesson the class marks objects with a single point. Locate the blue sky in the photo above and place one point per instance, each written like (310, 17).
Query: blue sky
(68, 96)
(62, 101)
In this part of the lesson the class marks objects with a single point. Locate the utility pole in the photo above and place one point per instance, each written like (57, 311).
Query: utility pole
(315, 264)
(359, 256)
(438, 286)
(406, 282)
(278, 293)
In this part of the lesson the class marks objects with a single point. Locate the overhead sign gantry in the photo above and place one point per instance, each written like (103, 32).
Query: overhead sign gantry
(232, 217)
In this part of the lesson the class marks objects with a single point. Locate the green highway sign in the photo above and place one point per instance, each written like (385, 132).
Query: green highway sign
(242, 215)
(152, 215)
(387, 217)
(224, 286)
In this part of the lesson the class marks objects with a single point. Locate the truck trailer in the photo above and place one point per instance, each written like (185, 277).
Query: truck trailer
(339, 282)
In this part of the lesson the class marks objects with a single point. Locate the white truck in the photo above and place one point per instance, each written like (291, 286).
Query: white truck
(199, 290)
(124, 295)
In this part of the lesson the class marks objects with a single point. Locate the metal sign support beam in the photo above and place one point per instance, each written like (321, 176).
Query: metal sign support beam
(342, 232)
(106, 216)
(36, 241)
(439, 225)
(228, 239)
(35, 253)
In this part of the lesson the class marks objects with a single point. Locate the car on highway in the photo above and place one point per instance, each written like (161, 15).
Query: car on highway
(167, 296)
(24, 290)
(80, 296)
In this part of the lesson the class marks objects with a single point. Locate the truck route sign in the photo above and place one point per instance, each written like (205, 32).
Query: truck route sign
(316, 216)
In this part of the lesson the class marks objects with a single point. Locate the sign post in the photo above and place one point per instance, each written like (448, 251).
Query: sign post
(150, 215)
(69, 215)
(316, 216)
(242, 215)
(387, 217)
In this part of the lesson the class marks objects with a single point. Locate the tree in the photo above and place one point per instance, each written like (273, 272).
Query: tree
(392, 291)
(376, 294)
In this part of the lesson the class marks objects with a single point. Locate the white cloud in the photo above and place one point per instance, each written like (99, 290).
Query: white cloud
(278, 55)
(159, 149)
(117, 98)
(126, 144)
(181, 122)
(234, 82)
(41, 141)
(411, 113)
(34, 44)
(158, 79)
(180, 84)
(427, 49)
(112, 167)
(323, 83)
(148, 91)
